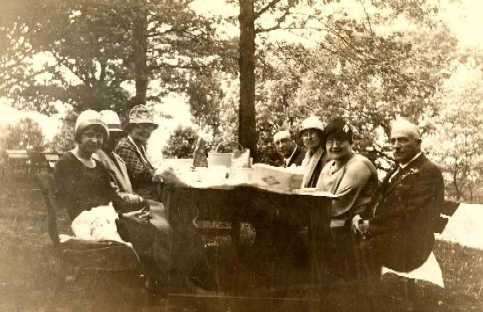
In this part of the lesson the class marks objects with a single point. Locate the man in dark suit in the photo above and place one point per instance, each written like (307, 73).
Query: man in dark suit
(408, 207)
(292, 154)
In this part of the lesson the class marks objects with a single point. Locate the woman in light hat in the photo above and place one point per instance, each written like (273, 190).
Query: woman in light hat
(119, 174)
(313, 138)
(154, 235)
(82, 182)
(111, 161)
(132, 149)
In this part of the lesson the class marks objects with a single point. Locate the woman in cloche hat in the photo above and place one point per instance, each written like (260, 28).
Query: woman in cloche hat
(313, 138)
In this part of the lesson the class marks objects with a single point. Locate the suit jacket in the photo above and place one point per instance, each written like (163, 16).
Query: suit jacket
(138, 166)
(296, 158)
(406, 214)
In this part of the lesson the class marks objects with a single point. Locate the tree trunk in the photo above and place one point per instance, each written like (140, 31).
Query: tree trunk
(140, 47)
(247, 134)
(456, 186)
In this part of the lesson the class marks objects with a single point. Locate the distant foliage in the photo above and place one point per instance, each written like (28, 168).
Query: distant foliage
(456, 143)
(181, 144)
(63, 141)
(25, 134)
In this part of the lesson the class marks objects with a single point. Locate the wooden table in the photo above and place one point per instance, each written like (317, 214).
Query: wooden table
(242, 203)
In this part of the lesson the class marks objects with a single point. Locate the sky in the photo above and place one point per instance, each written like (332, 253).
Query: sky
(463, 17)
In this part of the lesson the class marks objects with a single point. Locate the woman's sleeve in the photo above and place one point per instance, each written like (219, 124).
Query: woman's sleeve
(138, 173)
(118, 201)
(64, 187)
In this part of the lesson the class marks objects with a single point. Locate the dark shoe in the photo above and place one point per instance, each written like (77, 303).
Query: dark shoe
(194, 286)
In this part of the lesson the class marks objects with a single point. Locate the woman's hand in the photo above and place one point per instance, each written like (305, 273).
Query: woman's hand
(132, 199)
(142, 215)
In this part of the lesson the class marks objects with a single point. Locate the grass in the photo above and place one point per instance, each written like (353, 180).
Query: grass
(32, 279)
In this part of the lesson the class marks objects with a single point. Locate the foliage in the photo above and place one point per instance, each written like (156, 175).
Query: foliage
(181, 143)
(99, 46)
(63, 141)
(24, 134)
(457, 141)
(360, 68)
(205, 94)
(367, 60)
(15, 50)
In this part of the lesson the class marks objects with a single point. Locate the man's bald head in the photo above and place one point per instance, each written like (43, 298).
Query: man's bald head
(405, 140)
(284, 143)
(403, 126)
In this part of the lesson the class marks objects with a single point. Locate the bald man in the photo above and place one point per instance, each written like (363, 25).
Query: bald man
(291, 153)
(409, 203)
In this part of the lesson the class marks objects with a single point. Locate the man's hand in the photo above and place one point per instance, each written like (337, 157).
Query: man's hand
(359, 225)
(168, 175)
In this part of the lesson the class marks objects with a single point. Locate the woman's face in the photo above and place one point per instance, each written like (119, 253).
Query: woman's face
(142, 132)
(312, 139)
(337, 147)
(91, 139)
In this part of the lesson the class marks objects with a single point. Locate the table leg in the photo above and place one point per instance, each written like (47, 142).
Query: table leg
(318, 235)
(235, 239)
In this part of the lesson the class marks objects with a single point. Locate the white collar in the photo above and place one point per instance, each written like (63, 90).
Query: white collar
(287, 160)
(90, 163)
(402, 166)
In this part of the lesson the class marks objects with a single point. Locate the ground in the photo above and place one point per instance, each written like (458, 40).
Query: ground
(31, 278)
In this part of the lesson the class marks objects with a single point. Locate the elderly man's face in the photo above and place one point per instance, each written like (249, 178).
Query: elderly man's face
(285, 146)
(405, 146)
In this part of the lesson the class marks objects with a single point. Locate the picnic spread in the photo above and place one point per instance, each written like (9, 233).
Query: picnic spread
(238, 195)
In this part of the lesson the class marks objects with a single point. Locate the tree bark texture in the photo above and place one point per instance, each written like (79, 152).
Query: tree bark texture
(247, 134)
(141, 72)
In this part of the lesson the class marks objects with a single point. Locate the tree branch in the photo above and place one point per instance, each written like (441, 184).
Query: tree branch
(266, 8)
(280, 20)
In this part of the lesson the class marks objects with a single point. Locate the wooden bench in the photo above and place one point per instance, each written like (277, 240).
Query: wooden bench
(30, 161)
(17, 159)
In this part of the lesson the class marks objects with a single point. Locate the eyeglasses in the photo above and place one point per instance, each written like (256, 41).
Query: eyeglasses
(146, 127)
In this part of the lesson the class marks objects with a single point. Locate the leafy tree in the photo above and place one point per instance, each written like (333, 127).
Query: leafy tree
(16, 51)
(25, 134)
(63, 141)
(355, 41)
(181, 143)
(456, 142)
(98, 46)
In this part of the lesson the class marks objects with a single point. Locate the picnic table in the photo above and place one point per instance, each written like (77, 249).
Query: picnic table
(237, 203)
